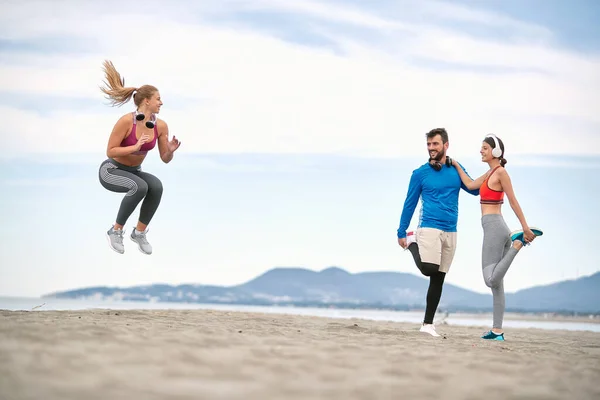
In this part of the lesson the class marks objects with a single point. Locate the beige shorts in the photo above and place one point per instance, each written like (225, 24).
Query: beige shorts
(436, 247)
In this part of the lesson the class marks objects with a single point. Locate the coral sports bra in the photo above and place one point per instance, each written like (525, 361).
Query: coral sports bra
(488, 195)
(131, 139)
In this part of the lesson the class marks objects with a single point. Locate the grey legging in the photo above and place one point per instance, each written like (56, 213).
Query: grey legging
(136, 185)
(496, 256)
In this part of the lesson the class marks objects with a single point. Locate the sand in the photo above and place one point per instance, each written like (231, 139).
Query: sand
(203, 354)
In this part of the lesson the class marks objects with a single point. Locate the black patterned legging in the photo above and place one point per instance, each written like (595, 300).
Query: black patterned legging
(137, 186)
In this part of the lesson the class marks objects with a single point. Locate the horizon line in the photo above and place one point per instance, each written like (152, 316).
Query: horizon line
(310, 270)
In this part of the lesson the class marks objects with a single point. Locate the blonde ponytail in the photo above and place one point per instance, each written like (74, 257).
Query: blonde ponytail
(115, 89)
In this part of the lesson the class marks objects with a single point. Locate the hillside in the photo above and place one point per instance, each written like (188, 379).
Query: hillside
(337, 287)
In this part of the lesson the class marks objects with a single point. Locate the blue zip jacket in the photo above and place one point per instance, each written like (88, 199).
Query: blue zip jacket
(438, 191)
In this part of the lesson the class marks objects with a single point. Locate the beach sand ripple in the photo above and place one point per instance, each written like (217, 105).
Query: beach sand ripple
(206, 354)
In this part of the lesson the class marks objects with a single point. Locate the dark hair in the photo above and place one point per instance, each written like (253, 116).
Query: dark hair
(116, 91)
(492, 144)
(438, 131)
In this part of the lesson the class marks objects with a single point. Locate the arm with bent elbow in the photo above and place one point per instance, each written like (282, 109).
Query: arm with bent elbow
(470, 185)
(166, 148)
(114, 148)
(118, 151)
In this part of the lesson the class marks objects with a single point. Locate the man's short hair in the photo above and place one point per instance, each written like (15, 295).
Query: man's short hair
(438, 131)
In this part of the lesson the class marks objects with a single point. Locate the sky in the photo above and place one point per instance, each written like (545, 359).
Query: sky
(300, 122)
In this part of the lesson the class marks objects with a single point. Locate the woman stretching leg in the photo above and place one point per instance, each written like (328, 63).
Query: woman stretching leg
(499, 246)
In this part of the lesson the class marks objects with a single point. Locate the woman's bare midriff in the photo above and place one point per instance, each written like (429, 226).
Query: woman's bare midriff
(491, 209)
(131, 160)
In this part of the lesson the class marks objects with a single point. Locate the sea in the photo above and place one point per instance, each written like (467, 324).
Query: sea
(484, 321)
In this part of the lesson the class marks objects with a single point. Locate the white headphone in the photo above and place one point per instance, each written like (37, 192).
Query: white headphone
(496, 151)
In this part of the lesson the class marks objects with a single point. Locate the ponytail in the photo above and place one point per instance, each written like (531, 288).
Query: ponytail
(116, 91)
(503, 161)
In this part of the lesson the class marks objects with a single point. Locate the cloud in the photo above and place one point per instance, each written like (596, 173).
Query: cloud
(232, 87)
(456, 13)
(329, 12)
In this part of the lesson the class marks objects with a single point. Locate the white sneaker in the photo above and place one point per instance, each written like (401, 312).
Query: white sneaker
(410, 238)
(142, 242)
(429, 328)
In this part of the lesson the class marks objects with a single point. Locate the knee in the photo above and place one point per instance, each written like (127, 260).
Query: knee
(139, 190)
(155, 187)
(491, 283)
(429, 269)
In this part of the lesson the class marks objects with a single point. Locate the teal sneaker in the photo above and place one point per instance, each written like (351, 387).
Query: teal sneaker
(518, 234)
(493, 336)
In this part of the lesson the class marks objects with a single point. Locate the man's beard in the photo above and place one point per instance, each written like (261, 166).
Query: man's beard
(438, 157)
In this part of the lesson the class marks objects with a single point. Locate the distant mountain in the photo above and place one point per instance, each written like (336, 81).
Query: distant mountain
(580, 295)
(337, 287)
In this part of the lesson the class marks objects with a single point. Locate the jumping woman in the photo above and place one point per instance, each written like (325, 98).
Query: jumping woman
(133, 136)
(500, 245)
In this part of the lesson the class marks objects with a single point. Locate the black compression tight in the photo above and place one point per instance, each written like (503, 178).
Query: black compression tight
(434, 294)
(427, 269)
(436, 283)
